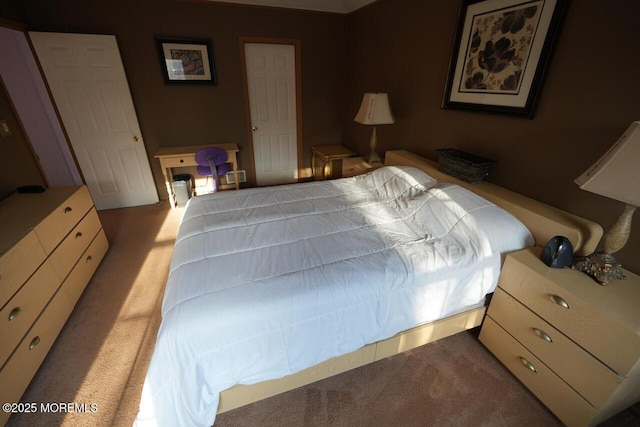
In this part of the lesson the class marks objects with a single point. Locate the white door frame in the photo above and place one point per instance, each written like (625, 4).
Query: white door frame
(296, 44)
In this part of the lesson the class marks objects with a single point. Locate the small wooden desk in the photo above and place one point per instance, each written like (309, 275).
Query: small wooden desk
(175, 157)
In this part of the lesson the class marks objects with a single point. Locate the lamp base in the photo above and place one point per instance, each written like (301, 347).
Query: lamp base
(373, 157)
(603, 267)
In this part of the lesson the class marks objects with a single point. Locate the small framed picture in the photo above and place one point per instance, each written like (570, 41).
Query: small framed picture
(187, 61)
(500, 54)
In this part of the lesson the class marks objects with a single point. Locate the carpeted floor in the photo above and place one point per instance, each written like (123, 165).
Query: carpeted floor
(103, 351)
(452, 382)
(102, 354)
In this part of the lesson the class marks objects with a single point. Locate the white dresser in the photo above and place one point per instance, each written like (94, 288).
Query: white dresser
(50, 245)
(573, 343)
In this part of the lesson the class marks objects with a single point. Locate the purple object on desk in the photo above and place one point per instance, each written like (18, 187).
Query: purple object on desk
(212, 162)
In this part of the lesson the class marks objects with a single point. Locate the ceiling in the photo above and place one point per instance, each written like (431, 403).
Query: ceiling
(334, 6)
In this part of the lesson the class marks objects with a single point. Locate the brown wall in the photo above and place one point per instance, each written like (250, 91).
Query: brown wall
(19, 163)
(590, 96)
(191, 115)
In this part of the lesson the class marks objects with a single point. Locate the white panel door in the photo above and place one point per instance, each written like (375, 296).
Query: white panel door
(271, 87)
(90, 89)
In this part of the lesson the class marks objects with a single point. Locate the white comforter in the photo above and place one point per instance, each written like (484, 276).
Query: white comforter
(267, 282)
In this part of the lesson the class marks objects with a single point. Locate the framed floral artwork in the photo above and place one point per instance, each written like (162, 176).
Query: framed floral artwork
(186, 61)
(500, 53)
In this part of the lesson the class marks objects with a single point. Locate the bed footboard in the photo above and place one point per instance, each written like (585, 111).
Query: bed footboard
(241, 395)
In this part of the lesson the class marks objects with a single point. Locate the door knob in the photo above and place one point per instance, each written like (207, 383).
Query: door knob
(254, 128)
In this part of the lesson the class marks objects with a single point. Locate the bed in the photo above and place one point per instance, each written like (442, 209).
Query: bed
(273, 288)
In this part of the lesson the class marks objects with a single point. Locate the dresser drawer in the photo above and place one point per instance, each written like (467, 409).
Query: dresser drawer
(61, 220)
(19, 314)
(69, 251)
(23, 364)
(18, 263)
(81, 274)
(599, 333)
(561, 399)
(593, 380)
(179, 161)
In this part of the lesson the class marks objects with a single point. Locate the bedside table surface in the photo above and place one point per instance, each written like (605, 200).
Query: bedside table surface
(332, 151)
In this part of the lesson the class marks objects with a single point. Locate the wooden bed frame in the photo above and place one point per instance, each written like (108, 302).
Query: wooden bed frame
(543, 221)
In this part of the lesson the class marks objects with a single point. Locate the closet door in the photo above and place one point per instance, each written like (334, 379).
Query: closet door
(272, 91)
(90, 89)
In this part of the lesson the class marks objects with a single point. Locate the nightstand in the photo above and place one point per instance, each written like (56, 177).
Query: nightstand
(573, 343)
(326, 161)
(357, 166)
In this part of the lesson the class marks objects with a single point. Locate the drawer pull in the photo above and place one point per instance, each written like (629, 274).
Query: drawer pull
(14, 313)
(542, 334)
(67, 209)
(78, 235)
(528, 364)
(559, 300)
(34, 342)
(89, 258)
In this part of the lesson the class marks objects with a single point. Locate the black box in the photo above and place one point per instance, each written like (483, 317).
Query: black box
(467, 167)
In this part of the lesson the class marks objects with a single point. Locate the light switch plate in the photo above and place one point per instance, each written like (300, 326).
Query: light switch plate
(4, 129)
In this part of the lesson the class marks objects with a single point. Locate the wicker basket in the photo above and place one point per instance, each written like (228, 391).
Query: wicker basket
(467, 167)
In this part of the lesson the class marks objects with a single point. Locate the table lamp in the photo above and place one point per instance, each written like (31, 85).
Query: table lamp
(615, 175)
(374, 111)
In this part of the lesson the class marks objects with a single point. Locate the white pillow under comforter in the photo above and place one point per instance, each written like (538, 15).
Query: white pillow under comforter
(267, 282)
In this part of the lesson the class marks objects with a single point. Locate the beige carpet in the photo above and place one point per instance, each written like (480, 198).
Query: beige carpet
(102, 354)
(452, 382)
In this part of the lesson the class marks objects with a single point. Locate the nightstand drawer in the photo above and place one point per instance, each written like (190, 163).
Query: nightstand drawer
(593, 380)
(539, 288)
(353, 166)
(561, 399)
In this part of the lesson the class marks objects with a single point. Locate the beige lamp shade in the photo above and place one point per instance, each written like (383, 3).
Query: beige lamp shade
(374, 110)
(616, 174)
